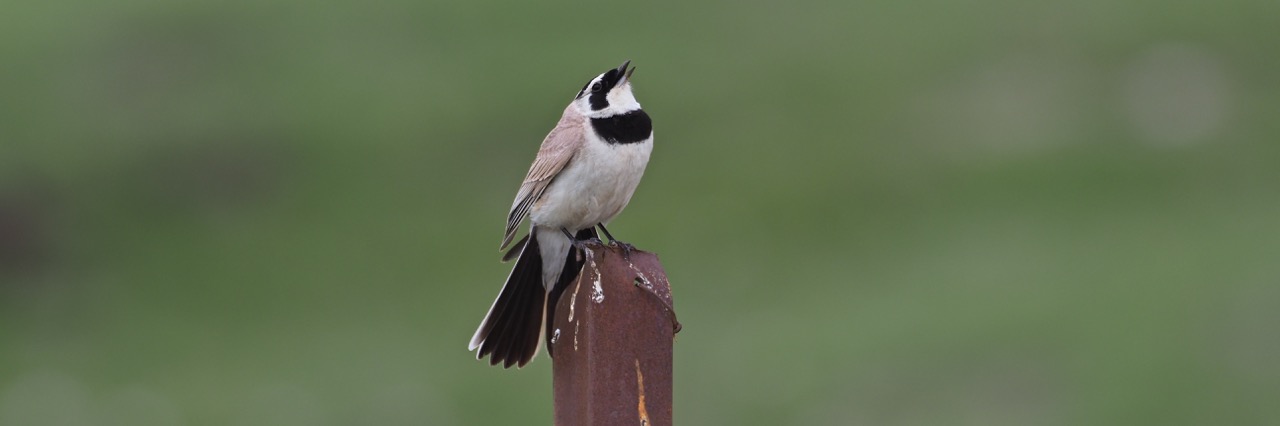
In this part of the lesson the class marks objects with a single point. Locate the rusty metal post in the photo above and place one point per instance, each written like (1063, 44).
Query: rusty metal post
(612, 341)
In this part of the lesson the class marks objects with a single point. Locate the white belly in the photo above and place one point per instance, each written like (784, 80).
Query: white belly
(594, 187)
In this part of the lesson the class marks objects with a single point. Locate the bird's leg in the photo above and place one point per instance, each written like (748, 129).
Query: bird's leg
(581, 245)
(626, 248)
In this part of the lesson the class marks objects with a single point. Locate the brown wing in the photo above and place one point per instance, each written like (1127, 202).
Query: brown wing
(556, 151)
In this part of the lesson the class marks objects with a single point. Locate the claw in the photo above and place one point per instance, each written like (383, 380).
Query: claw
(626, 249)
(582, 244)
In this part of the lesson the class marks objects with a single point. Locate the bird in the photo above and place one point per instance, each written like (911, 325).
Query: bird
(584, 174)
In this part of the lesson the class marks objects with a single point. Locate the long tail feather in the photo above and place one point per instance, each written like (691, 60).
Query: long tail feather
(510, 331)
(524, 310)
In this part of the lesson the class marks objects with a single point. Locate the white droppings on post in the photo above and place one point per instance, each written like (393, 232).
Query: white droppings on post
(573, 299)
(597, 291)
(555, 336)
(575, 336)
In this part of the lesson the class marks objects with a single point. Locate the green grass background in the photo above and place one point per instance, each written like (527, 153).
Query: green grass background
(873, 212)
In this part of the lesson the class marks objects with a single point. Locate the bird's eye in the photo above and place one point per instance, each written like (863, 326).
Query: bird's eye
(595, 87)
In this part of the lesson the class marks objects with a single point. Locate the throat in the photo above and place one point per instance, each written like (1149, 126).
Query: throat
(630, 127)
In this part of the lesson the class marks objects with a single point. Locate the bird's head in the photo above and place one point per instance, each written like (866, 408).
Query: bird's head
(608, 94)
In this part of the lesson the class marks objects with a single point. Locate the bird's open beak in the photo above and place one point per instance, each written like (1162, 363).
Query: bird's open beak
(626, 73)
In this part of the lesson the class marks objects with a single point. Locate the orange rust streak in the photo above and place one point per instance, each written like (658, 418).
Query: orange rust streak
(644, 414)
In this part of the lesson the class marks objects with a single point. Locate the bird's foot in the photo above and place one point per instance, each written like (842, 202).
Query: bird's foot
(582, 244)
(626, 248)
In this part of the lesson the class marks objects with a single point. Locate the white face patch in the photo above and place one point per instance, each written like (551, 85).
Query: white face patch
(620, 98)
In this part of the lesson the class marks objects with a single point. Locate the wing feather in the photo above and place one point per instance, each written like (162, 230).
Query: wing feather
(557, 150)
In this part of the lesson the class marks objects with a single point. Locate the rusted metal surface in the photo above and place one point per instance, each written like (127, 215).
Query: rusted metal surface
(612, 340)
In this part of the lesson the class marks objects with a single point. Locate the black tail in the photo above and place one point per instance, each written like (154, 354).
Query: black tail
(572, 266)
(509, 333)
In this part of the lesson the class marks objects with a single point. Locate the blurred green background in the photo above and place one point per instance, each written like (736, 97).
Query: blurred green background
(873, 212)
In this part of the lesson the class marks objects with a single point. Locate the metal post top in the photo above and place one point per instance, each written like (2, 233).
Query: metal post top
(612, 341)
